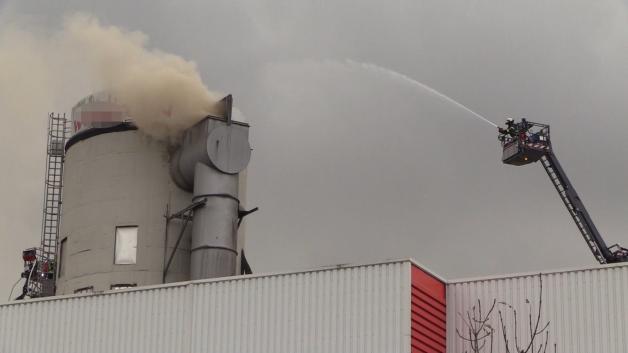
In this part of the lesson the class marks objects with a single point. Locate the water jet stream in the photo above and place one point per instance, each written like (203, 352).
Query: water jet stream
(399, 76)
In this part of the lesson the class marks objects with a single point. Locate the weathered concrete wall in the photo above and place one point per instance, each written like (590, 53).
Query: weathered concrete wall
(119, 179)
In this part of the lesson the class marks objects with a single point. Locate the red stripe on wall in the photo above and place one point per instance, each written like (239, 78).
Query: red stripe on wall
(428, 313)
(436, 323)
(435, 316)
(421, 325)
(438, 305)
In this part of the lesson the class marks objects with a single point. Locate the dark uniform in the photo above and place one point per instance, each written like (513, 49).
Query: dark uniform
(511, 130)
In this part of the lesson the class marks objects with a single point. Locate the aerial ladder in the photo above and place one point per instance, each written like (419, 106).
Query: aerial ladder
(527, 142)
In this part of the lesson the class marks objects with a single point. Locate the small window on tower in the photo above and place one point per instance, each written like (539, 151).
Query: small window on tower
(122, 286)
(126, 245)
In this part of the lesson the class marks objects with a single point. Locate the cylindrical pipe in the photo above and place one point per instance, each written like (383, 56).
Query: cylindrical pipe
(211, 155)
(214, 229)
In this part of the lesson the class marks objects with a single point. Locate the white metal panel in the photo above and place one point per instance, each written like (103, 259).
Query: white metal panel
(352, 309)
(587, 309)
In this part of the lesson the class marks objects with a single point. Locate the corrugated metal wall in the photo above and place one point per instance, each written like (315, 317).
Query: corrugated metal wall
(587, 309)
(428, 313)
(355, 309)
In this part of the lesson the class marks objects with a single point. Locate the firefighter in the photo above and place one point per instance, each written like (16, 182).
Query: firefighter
(524, 130)
(511, 128)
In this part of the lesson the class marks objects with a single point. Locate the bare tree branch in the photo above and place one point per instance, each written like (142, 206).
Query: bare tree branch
(536, 331)
(504, 332)
(480, 335)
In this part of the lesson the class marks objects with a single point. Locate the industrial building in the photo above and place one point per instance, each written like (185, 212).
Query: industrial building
(395, 306)
(143, 250)
(346, 309)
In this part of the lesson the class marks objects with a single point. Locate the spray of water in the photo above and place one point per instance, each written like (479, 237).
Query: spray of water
(401, 77)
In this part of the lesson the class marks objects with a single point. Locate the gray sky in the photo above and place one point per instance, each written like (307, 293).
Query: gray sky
(352, 165)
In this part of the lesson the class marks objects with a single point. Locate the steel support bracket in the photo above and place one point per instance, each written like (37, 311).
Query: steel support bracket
(186, 215)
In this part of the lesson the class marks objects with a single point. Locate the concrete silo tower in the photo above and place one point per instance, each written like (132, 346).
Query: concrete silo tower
(133, 214)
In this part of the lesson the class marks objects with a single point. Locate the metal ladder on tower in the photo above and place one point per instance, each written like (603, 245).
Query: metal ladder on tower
(58, 130)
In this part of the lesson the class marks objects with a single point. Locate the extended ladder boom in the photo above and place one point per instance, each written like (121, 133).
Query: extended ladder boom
(527, 142)
(576, 208)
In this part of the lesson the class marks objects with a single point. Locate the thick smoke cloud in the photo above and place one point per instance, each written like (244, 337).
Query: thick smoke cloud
(162, 92)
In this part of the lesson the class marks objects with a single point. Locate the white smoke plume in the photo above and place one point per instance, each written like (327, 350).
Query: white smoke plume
(163, 93)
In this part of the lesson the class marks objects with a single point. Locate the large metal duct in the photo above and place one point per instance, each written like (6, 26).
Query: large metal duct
(212, 154)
